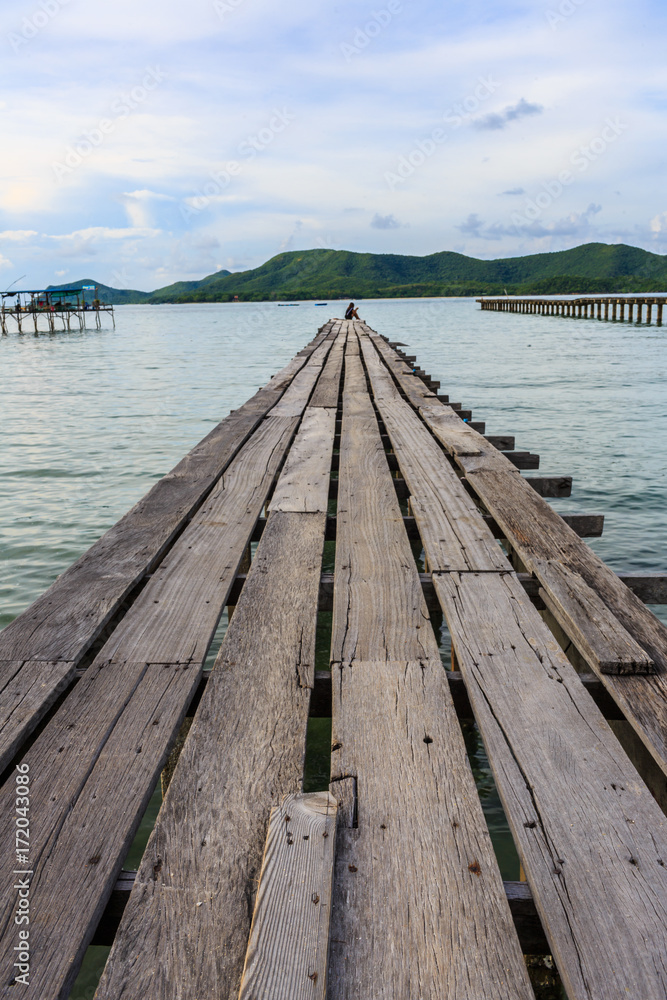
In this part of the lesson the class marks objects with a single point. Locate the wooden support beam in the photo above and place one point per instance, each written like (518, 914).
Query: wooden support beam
(520, 899)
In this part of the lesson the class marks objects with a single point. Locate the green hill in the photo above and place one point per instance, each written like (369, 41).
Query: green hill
(329, 274)
(314, 274)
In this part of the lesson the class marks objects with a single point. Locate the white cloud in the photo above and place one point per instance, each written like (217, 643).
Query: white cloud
(5, 262)
(18, 235)
(107, 233)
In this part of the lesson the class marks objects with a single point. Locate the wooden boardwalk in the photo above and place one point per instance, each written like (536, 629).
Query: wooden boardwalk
(609, 307)
(386, 885)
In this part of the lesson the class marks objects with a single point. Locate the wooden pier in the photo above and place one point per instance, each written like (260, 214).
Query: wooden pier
(386, 885)
(52, 310)
(609, 307)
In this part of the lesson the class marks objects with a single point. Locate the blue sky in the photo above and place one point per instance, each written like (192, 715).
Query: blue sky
(146, 142)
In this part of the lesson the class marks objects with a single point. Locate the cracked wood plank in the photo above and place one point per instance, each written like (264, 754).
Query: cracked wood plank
(597, 634)
(592, 840)
(374, 562)
(304, 482)
(419, 908)
(539, 536)
(328, 386)
(295, 397)
(289, 939)
(185, 930)
(27, 691)
(451, 527)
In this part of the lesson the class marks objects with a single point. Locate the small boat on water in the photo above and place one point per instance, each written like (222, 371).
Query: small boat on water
(289, 303)
(321, 303)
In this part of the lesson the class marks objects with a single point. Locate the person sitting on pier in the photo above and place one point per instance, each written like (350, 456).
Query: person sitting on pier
(351, 312)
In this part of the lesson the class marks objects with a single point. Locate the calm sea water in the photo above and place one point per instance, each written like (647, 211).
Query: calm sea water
(90, 420)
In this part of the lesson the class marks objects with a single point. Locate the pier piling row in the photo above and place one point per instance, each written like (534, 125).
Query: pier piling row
(608, 307)
(386, 884)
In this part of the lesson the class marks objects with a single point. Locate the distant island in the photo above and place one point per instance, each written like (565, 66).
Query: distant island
(331, 274)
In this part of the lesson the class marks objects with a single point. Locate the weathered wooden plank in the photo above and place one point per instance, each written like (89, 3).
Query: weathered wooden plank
(295, 397)
(304, 482)
(289, 940)
(27, 691)
(597, 634)
(328, 386)
(550, 486)
(591, 837)
(523, 459)
(650, 588)
(418, 904)
(185, 930)
(538, 534)
(419, 909)
(503, 442)
(368, 509)
(654, 585)
(450, 525)
(93, 770)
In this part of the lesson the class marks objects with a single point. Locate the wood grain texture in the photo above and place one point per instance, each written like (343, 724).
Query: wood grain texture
(538, 534)
(295, 398)
(27, 691)
(597, 634)
(289, 939)
(451, 527)
(650, 588)
(327, 389)
(185, 930)
(592, 839)
(550, 486)
(374, 562)
(93, 770)
(419, 908)
(303, 484)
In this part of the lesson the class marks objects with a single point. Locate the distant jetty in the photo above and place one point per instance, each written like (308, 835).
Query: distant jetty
(52, 310)
(591, 307)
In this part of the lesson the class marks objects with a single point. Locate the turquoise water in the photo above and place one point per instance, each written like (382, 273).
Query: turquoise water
(90, 420)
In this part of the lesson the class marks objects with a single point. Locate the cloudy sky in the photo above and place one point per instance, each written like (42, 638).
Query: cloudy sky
(147, 141)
